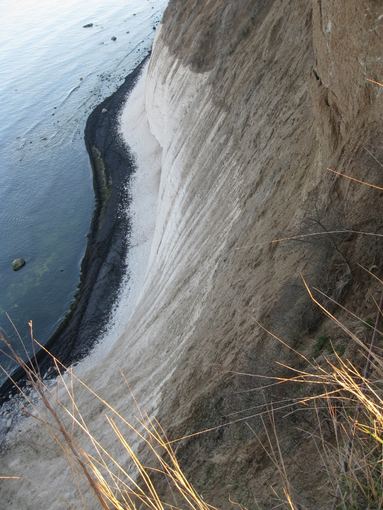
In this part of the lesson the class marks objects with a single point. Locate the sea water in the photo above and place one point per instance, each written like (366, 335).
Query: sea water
(53, 72)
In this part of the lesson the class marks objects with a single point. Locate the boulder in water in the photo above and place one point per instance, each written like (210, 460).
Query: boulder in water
(17, 264)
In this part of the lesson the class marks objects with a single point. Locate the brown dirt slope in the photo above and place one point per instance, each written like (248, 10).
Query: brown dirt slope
(290, 79)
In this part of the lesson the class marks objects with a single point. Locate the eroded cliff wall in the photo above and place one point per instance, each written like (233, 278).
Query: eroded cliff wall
(249, 102)
(252, 102)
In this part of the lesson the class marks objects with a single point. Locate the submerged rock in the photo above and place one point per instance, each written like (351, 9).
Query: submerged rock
(17, 264)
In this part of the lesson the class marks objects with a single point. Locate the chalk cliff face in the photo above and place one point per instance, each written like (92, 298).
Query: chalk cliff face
(248, 103)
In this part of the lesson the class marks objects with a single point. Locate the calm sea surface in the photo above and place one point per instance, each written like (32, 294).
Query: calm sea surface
(53, 72)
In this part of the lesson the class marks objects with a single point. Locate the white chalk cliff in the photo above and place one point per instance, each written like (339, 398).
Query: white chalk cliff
(234, 122)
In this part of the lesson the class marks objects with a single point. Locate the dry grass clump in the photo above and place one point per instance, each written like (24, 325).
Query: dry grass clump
(353, 454)
(347, 401)
(130, 484)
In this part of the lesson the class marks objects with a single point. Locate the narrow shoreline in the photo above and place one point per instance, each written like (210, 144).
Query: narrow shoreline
(104, 264)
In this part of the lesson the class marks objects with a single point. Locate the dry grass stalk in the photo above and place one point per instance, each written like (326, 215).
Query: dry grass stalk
(115, 485)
